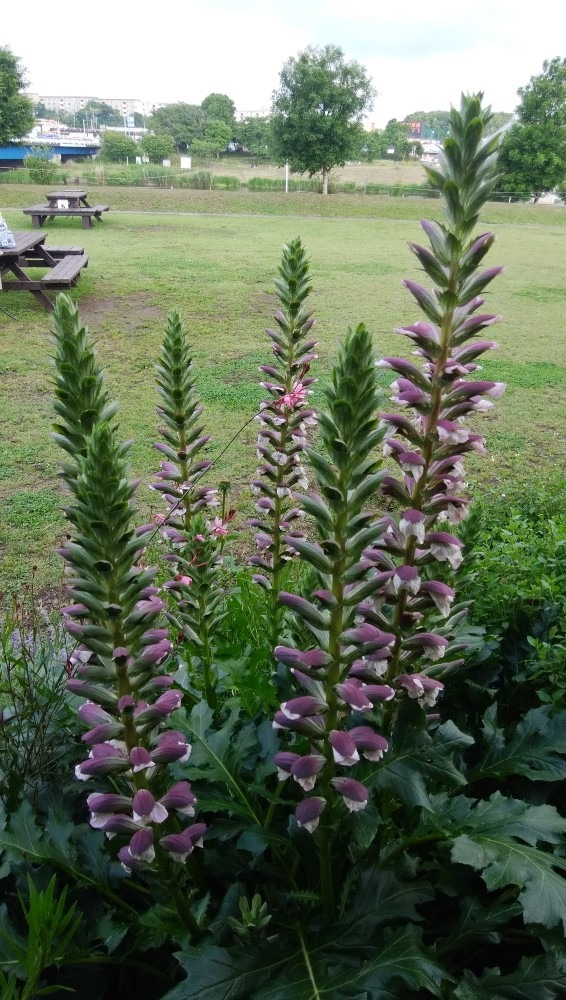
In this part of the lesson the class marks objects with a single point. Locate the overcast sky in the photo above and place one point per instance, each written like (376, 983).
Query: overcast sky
(182, 51)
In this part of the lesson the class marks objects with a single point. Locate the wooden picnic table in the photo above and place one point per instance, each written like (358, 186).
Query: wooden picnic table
(74, 198)
(64, 265)
(70, 202)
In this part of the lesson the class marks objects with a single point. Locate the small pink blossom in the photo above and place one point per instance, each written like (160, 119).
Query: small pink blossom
(217, 528)
(295, 398)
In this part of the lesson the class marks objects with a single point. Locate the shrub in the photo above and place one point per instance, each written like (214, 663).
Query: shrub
(41, 169)
(200, 179)
(117, 147)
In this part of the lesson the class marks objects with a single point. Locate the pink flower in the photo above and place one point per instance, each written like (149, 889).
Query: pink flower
(217, 528)
(297, 396)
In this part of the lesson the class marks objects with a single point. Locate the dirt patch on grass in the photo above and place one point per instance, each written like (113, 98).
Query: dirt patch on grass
(264, 303)
(127, 310)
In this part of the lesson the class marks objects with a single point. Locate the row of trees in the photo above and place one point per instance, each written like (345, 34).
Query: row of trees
(316, 122)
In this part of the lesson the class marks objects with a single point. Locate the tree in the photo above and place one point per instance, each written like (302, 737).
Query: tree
(157, 146)
(533, 152)
(218, 134)
(220, 108)
(254, 135)
(117, 147)
(40, 111)
(318, 109)
(216, 137)
(397, 138)
(104, 113)
(183, 122)
(16, 110)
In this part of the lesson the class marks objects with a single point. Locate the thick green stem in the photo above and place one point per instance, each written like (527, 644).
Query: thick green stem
(333, 677)
(181, 904)
(206, 658)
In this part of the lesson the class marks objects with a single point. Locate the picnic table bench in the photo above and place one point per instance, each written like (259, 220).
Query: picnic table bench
(63, 266)
(66, 203)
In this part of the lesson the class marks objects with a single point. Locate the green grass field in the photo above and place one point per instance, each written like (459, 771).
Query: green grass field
(217, 269)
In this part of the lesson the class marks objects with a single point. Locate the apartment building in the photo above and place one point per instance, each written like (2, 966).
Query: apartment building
(66, 105)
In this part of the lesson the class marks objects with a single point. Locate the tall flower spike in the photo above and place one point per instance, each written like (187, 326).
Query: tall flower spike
(114, 616)
(348, 475)
(284, 419)
(180, 410)
(441, 391)
(195, 595)
(80, 399)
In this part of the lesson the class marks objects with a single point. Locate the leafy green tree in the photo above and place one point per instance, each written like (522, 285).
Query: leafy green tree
(499, 119)
(116, 147)
(216, 137)
(218, 134)
(104, 113)
(254, 134)
(373, 145)
(533, 152)
(219, 107)
(183, 122)
(16, 110)
(40, 111)
(396, 138)
(157, 146)
(318, 109)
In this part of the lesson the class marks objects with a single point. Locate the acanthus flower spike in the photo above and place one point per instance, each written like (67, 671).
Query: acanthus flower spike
(283, 424)
(437, 391)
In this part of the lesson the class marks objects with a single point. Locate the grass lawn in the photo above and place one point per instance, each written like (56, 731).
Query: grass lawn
(217, 269)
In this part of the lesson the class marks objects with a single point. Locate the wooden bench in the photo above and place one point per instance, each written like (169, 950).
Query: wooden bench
(36, 258)
(59, 252)
(39, 214)
(65, 273)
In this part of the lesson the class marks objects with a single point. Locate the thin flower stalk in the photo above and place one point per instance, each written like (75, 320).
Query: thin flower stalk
(183, 442)
(196, 598)
(284, 419)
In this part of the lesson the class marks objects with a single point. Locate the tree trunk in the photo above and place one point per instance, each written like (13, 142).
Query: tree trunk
(325, 175)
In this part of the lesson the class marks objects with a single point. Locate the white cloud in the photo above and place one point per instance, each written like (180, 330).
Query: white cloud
(185, 50)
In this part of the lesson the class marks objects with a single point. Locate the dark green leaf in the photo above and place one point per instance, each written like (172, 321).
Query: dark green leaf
(537, 749)
(542, 977)
(421, 762)
(498, 840)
